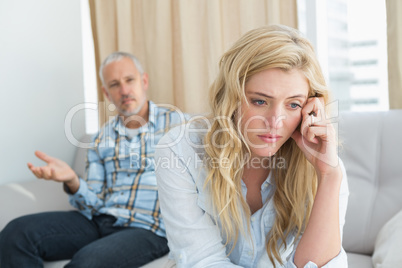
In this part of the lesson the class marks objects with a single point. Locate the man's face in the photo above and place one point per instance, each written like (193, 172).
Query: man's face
(125, 87)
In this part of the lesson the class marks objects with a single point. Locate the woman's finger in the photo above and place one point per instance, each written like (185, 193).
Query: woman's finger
(313, 106)
(310, 121)
(314, 133)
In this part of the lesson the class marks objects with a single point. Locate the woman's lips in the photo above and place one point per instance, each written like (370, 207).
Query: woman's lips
(269, 138)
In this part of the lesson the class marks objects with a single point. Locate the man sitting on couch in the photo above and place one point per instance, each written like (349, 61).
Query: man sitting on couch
(118, 223)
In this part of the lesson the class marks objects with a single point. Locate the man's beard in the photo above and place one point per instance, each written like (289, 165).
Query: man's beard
(134, 112)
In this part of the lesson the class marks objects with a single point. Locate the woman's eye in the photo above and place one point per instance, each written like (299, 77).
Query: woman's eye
(295, 105)
(259, 102)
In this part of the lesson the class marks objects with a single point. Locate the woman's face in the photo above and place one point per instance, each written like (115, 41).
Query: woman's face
(275, 100)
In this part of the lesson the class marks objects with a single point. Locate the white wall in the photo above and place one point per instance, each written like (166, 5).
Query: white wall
(41, 79)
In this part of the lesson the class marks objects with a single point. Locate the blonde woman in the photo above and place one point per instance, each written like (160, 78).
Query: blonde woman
(259, 184)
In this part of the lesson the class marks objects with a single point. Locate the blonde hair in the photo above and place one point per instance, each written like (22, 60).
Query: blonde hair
(268, 47)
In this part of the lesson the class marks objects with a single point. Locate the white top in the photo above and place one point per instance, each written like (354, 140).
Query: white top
(194, 236)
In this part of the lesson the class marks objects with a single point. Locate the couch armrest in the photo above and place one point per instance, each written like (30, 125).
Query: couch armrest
(22, 198)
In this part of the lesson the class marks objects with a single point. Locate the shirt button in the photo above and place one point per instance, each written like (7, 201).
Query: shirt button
(250, 253)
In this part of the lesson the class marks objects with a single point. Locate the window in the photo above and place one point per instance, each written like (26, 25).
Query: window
(349, 37)
(90, 85)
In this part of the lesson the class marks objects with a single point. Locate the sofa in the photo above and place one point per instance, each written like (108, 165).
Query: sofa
(370, 145)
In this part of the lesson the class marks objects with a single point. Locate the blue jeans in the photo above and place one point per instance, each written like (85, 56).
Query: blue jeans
(28, 240)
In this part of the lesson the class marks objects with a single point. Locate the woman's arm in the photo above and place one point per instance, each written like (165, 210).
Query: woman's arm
(314, 237)
(194, 238)
(321, 240)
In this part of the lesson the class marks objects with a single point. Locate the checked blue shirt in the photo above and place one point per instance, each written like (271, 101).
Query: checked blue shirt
(120, 173)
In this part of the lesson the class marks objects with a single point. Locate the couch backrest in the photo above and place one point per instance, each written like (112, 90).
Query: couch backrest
(372, 146)
(81, 156)
(28, 197)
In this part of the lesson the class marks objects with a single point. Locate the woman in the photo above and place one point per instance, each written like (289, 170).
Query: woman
(259, 184)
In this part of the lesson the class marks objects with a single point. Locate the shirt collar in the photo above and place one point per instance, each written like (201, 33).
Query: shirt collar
(268, 181)
(120, 128)
(153, 108)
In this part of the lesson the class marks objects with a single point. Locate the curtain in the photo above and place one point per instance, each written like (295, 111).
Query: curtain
(394, 32)
(179, 42)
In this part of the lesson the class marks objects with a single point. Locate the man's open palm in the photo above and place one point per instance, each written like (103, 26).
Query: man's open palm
(55, 169)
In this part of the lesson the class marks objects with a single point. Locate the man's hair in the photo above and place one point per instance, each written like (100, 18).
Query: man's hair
(116, 56)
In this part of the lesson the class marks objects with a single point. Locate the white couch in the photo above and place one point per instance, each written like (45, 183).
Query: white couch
(371, 151)
(372, 147)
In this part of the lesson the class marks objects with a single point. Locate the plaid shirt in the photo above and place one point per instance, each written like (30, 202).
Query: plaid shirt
(120, 173)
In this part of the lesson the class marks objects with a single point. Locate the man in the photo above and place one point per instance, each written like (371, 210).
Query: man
(118, 223)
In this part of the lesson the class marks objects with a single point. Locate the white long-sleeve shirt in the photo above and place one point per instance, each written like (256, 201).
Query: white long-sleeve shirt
(194, 231)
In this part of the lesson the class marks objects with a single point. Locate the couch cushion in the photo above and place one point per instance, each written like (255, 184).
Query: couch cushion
(359, 261)
(158, 263)
(388, 245)
(371, 154)
(55, 264)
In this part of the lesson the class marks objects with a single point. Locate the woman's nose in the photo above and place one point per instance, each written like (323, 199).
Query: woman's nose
(275, 118)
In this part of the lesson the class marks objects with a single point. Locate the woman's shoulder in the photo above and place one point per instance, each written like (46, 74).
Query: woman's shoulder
(188, 137)
(182, 148)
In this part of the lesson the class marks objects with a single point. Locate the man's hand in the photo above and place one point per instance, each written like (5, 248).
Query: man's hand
(56, 170)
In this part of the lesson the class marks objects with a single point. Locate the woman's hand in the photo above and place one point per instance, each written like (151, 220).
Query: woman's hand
(317, 139)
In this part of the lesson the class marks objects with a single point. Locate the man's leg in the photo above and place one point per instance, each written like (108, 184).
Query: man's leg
(128, 247)
(25, 241)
